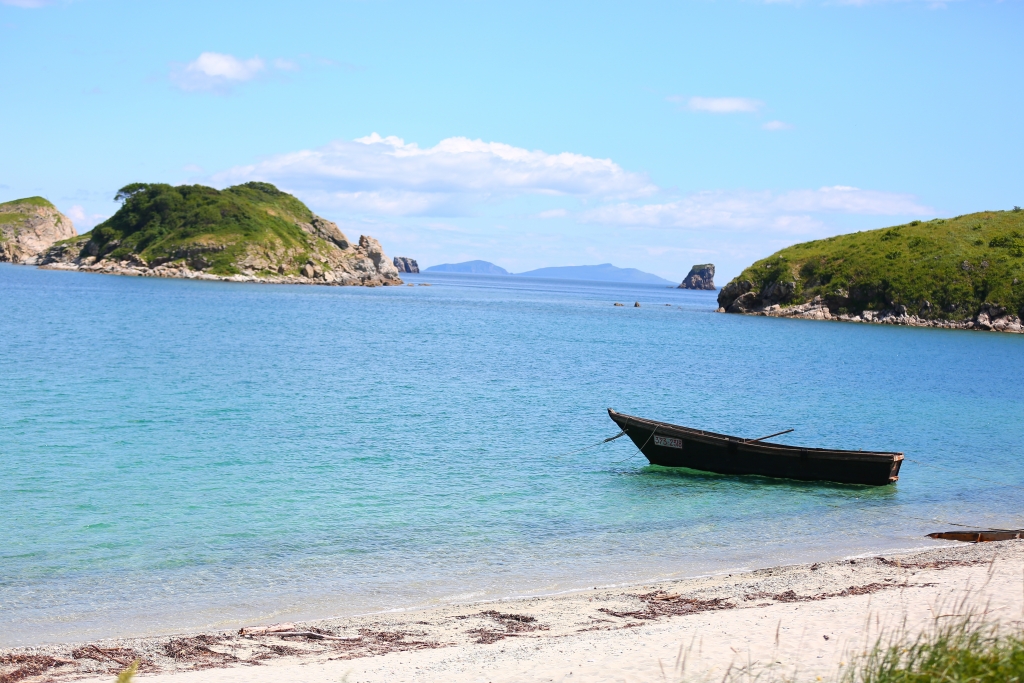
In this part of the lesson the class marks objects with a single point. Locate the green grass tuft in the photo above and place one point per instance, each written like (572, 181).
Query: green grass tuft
(128, 674)
(965, 651)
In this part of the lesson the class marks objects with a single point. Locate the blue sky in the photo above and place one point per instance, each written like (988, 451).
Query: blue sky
(651, 135)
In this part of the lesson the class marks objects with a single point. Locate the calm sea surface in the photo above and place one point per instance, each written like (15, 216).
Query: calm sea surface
(178, 455)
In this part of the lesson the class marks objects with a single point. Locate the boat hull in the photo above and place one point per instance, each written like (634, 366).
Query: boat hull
(671, 445)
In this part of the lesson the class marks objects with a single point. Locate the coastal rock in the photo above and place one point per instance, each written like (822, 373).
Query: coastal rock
(404, 264)
(778, 292)
(744, 303)
(732, 291)
(30, 226)
(992, 318)
(326, 230)
(701, 276)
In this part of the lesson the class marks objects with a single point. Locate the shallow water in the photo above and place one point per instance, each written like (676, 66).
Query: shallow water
(179, 454)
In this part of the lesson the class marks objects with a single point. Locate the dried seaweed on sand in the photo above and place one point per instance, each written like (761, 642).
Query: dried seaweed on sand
(197, 651)
(27, 666)
(515, 624)
(662, 604)
(867, 589)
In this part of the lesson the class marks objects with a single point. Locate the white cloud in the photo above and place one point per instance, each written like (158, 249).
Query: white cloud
(553, 213)
(776, 125)
(386, 175)
(84, 221)
(787, 212)
(214, 71)
(722, 105)
(31, 4)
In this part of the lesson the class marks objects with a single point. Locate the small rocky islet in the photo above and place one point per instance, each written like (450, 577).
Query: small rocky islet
(404, 264)
(960, 273)
(246, 233)
(701, 276)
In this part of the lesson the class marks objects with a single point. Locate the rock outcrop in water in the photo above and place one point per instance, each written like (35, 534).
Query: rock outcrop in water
(404, 264)
(30, 226)
(701, 276)
(247, 233)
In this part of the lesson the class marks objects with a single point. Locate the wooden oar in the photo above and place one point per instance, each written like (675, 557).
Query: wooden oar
(770, 436)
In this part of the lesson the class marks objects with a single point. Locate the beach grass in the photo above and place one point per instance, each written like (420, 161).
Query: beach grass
(965, 650)
(128, 674)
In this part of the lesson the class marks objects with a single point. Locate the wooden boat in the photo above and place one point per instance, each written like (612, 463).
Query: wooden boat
(670, 445)
(978, 536)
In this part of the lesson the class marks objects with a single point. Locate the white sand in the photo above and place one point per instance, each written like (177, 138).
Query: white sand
(762, 632)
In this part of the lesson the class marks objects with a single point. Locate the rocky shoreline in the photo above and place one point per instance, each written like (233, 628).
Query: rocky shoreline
(738, 297)
(334, 262)
(183, 272)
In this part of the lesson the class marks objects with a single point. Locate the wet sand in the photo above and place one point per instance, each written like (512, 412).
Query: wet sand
(802, 620)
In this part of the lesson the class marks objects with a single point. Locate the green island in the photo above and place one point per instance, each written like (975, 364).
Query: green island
(252, 231)
(963, 272)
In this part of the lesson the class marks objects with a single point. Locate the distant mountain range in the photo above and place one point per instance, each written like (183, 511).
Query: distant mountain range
(605, 272)
(473, 267)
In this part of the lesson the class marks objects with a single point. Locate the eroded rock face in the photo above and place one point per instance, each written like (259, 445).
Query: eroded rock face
(330, 260)
(29, 227)
(404, 264)
(701, 276)
(732, 291)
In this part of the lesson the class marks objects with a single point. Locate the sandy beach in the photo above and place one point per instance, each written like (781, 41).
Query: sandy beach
(801, 622)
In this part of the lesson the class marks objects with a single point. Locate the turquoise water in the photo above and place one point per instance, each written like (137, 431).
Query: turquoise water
(179, 454)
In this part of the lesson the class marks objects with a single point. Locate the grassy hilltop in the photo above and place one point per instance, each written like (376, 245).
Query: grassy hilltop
(160, 223)
(10, 212)
(938, 269)
(28, 201)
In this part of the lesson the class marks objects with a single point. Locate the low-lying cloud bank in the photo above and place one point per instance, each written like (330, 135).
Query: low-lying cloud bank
(386, 175)
(378, 176)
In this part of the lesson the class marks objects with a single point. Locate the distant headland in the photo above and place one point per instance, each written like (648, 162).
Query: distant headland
(246, 233)
(469, 267)
(961, 273)
(30, 226)
(604, 272)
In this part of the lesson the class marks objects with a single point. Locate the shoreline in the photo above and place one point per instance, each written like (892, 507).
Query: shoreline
(987, 320)
(126, 269)
(541, 634)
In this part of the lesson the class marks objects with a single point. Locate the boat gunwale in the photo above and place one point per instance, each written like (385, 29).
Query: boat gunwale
(775, 448)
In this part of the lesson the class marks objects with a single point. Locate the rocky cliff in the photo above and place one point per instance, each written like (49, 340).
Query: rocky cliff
(701, 276)
(961, 273)
(404, 264)
(247, 233)
(30, 226)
